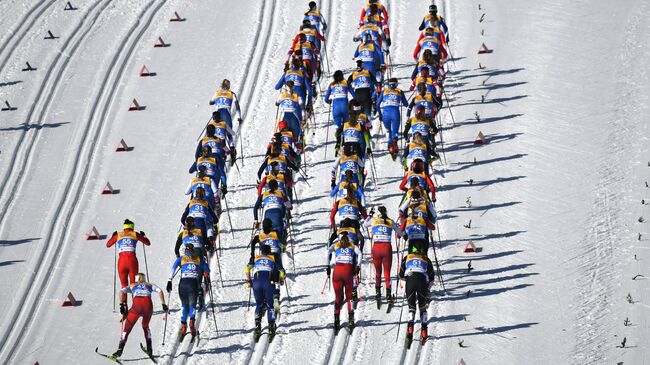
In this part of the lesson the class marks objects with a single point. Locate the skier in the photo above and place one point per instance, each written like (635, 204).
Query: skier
(434, 20)
(223, 100)
(311, 33)
(369, 52)
(347, 207)
(222, 140)
(292, 109)
(261, 273)
(429, 40)
(353, 134)
(421, 177)
(127, 262)
(315, 18)
(418, 150)
(417, 270)
(363, 84)
(340, 189)
(284, 183)
(283, 164)
(425, 100)
(416, 228)
(372, 28)
(192, 235)
(212, 169)
(432, 62)
(338, 93)
(352, 229)
(199, 209)
(382, 229)
(192, 267)
(141, 290)
(347, 263)
(201, 180)
(274, 205)
(378, 12)
(389, 102)
(298, 75)
(348, 161)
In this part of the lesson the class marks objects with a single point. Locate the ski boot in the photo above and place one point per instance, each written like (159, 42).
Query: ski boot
(183, 331)
(424, 335)
(192, 327)
(337, 324)
(378, 296)
(355, 298)
(149, 348)
(409, 335)
(392, 148)
(118, 353)
(258, 328)
(201, 302)
(351, 321)
(389, 300)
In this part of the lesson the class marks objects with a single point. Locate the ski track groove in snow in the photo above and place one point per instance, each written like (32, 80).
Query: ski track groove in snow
(58, 228)
(59, 64)
(25, 25)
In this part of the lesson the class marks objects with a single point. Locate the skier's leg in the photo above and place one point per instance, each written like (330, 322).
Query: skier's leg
(133, 268)
(349, 287)
(258, 293)
(377, 260)
(387, 261)
(225, 116)
(338, 292)
(268, 297)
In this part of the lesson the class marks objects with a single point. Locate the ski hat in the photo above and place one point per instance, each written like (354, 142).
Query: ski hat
(282, 124)
(433, 9)
(139, 277)
(128, 224)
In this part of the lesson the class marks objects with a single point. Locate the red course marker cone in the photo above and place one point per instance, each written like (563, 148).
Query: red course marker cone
(484, 49)
(177, 18)
(71, 301)
(470, 247)
(144, 71)
(135, 106)
(108, 189)
(122, 146)
(161, 43)
(480, 139)
(93, 234)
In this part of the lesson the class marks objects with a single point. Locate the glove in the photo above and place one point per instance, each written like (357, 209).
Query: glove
(333, 184)
(387, 51)
(123, 309)
(169, 286)
(388, 42)
(328, 270)
(165, 308)
(224, 190)
(372, 211)
(211, 102)
(256, 225)
(357, 270)
(368, 151)
(233, 152)
(240, 120)
(206, 275)
(142, 233)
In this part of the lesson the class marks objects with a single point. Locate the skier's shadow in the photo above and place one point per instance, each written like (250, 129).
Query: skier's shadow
(466, 184)
(489, 331)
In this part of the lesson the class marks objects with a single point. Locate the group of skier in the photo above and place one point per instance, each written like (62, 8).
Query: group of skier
(369, 92)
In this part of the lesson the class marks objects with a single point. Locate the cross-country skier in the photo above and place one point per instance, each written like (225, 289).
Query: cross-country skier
(417, 270)
(127, 262)
(298, 75)
(364, 85)
(421, 177)
(429, 104)
(432, 62)
(352, 229)
(141, 290)
(201, 180)
(212, 169)
(353, 133)
(192, 267)
(430, 40)
(261, 273)
(378, 13)
(434, 20)
(338, 93)
(389, 103)
(347, 263)
(416, 227)
(418, 150)
(315, 17)
(223, 100)
(340, 189)
(274, 204)
(271, 238)
(292, 109)
(382, 228)
(347, 207)
(199, 209)
(283, 163)
(222, 140)
(348, 161)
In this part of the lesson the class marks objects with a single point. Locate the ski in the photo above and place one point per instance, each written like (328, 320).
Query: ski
(151, 357)
(110, 357)
(390, 307)
(256, 335)
(409, 340)
(196, 337)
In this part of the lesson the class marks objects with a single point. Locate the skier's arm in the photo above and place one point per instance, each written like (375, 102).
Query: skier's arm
(176, 264)
(381, 96)
(261, 186)
(327, 94)
(237, 107)
(402, 268)
(402, 185)
(257, 206)
(262, 168)
(431, 273)
(112, 240)
(335, 189)
(335, 208)
(185, 213)
(188, 190)
(432, 187)
(361, 195)
(397, 229)
(422, 25)
(280, 83)
(179, 242)
(197, 153)
(410, 108)
(142, 238)
(255, 241)
(193, 168)
(405, 102)
(205, 267)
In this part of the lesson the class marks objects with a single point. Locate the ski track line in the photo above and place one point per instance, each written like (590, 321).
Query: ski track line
(61, 222)
(52, 87)
(24, 26)
(60, 63)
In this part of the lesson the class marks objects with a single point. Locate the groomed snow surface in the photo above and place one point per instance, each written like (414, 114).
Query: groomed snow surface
(554, 197)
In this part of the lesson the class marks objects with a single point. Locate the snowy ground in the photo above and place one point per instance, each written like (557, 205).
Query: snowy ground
(554, 197)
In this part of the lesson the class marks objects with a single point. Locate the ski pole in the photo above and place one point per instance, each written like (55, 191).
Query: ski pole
(435, 257)
(115, 279)
(327, 280)
(214, 318)
(144, 250)
(241, 144)
(166, 315)
(399, 323)
(442, 145)
(202, 130)
(232, 232)
(250, 289)
(220, 276)
(453, 121)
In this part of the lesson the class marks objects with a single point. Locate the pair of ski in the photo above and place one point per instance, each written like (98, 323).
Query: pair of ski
(117, 360)
(351, 327)
(257, 335)
(409, 341)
